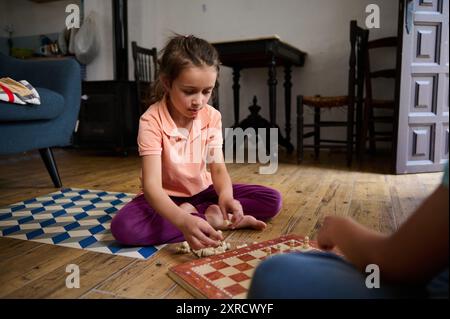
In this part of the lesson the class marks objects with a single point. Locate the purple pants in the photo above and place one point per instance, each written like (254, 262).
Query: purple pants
(138, 224)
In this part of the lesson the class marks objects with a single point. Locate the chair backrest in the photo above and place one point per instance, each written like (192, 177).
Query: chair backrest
(357, 64)
(145, 72)
(388, 42)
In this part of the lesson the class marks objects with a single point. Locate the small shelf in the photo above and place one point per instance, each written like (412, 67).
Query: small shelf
(43, 1)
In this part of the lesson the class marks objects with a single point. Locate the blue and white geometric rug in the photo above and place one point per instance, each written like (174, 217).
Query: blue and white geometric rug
(72, 217)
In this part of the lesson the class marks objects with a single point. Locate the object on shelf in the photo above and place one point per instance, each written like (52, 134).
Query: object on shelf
(86, 44)
(21, 53)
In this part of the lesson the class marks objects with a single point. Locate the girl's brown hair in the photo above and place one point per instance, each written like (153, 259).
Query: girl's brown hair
(179, 53)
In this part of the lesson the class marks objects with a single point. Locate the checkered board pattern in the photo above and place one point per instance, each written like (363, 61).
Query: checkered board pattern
(77, 218)
(228, 275)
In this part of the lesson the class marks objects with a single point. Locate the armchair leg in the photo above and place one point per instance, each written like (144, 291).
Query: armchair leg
(50, 164)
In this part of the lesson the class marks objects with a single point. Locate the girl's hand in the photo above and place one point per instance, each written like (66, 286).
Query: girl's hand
(232, 206)
(325, 235)
(198, 233)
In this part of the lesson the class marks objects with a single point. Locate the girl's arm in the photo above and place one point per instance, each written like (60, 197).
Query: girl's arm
(221, 180)
(195, 229)
(224, 188)
(414, 253)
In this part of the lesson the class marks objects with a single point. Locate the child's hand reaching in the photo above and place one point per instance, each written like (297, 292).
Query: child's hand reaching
(325, 237)
(198, 233)
(231, 206)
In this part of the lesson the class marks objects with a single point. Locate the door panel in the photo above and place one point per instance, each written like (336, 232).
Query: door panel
(422, 144)
(445, 138)
(429, 6)
(423, 92)
(425, 39)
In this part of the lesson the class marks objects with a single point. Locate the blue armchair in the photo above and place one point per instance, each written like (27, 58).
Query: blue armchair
(51, 124)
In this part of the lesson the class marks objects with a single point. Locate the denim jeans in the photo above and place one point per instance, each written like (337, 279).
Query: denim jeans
(321, 275)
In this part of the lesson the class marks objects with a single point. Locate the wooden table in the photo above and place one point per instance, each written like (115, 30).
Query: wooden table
(255, 53)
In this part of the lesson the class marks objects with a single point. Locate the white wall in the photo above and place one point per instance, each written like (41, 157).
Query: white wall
(102, 67)
(30, 18)
(139, 29)
(142, 26)
(319, 27)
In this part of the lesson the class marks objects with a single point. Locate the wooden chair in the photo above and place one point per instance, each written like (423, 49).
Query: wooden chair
(354, 97)
(371, 119)
(145, 72)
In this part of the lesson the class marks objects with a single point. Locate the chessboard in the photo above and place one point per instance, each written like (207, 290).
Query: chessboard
(228, 275)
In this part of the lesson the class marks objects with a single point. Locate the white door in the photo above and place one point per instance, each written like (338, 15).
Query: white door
(423, 131)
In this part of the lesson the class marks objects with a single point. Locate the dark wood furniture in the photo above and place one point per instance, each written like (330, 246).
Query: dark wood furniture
(120, 43)
(373, 105)
(354, 97)
(256, 53)
(109, 114)
(145, 72)
(108, 117)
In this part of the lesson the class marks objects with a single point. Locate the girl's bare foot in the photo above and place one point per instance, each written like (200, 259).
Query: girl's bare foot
(215, 219)
(249, 221)
(188, 208)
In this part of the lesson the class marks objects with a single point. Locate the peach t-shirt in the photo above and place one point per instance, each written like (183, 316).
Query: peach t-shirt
(183, 154)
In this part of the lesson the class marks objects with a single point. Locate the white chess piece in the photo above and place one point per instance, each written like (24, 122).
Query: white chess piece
(207, 252)
(183, 248)
(306, 243)
(219, 250)
(210, 251)
(226, 223)
(291, 243)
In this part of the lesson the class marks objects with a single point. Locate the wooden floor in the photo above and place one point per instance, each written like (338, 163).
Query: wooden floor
(310, 191)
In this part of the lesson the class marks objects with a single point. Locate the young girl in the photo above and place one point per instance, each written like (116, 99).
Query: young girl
(181, 199)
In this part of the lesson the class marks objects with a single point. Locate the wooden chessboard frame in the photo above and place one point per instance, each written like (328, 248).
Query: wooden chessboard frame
(200, 287)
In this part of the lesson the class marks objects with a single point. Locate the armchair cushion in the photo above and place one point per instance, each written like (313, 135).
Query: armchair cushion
(52, 105)
(30, 127)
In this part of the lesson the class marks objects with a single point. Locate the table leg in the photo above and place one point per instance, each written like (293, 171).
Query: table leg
(236, 87)
(272, 90)
(287, 100)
